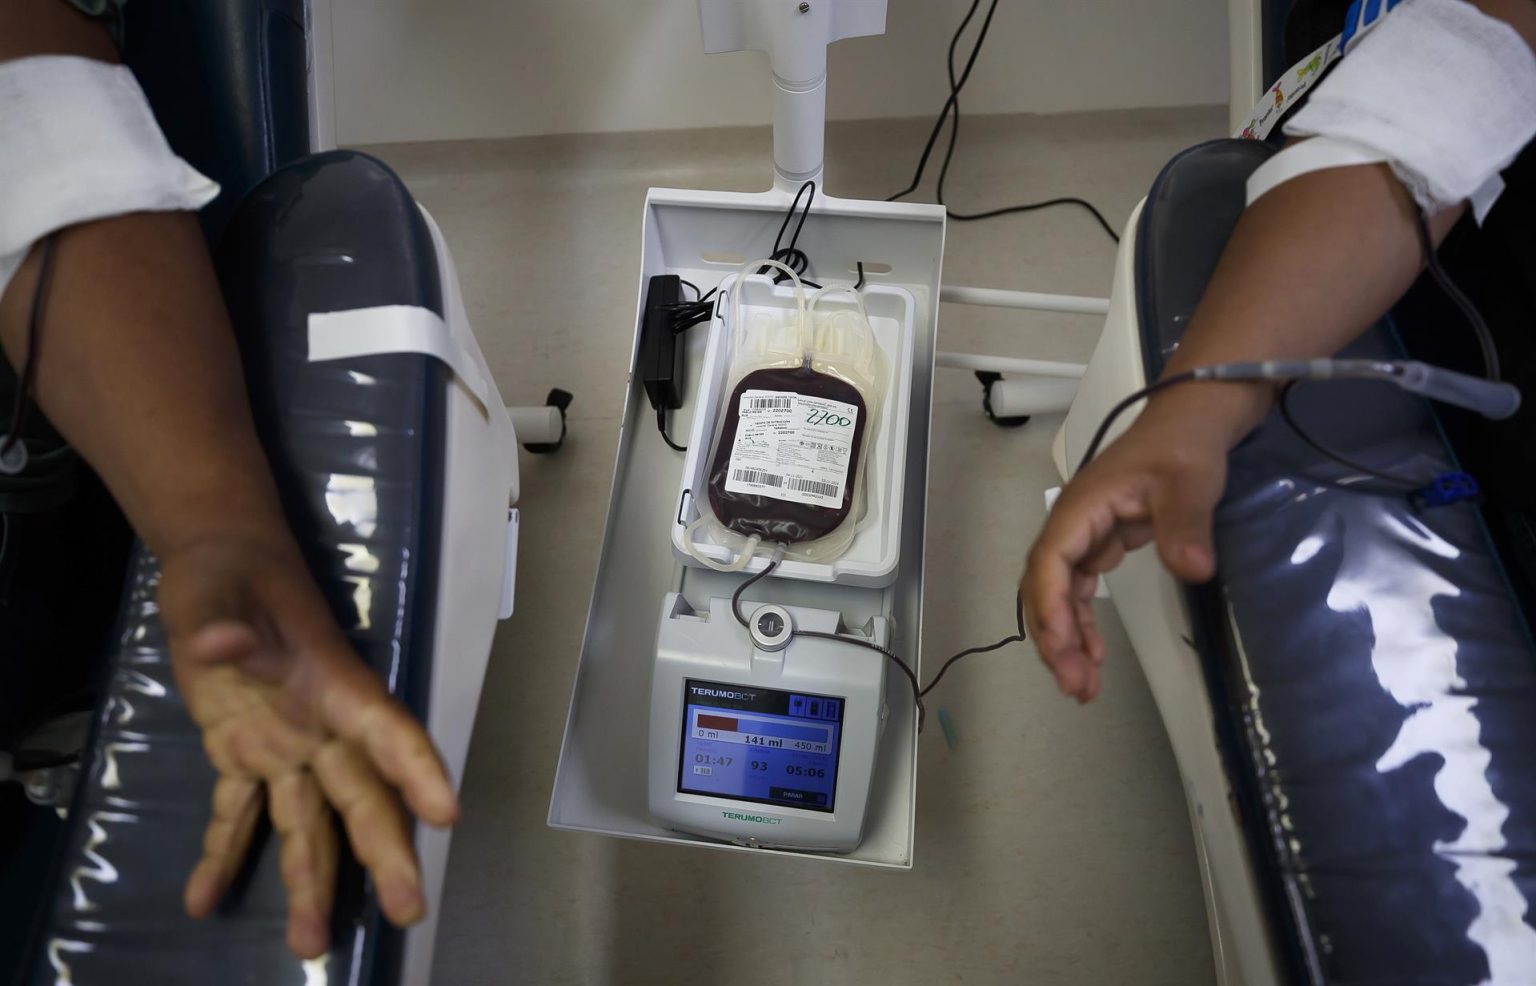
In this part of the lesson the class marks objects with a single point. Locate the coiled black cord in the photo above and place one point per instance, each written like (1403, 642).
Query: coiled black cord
(918, 689)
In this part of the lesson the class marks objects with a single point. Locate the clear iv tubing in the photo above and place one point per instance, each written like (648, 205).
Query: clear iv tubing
(868, 335)
(745, 554)
(738, 326)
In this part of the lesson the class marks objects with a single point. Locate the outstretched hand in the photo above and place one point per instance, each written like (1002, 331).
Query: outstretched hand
(295, 725)
(1160, 482)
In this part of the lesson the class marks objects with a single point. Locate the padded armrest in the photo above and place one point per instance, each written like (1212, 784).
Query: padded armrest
(1372, 672)
(356, 446)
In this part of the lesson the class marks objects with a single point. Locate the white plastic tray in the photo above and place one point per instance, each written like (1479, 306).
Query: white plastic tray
(872, 557)
(601, 781)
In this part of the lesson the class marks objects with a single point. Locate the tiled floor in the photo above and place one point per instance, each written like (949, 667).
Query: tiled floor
(1052, 845)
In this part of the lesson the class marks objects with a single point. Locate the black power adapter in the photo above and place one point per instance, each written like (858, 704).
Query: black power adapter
(661, 359)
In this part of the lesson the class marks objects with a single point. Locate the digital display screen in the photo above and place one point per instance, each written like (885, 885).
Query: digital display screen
(760, 745)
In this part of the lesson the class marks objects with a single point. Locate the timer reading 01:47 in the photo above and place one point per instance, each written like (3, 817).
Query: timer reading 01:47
(718, 761)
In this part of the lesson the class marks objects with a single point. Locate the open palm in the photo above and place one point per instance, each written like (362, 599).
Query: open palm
(295, 725)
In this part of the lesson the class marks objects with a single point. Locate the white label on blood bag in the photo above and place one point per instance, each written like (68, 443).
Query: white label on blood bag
(792, 447)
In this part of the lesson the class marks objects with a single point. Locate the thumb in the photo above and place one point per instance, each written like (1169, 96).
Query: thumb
(1181, 522)
(210, 613)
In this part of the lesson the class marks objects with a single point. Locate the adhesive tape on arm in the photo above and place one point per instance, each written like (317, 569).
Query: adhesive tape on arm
(1308, 156)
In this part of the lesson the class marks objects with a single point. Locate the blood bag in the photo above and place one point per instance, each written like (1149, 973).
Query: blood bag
(787, 463)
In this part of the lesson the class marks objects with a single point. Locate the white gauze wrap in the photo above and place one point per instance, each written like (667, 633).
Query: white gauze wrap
(1446, 95)
(78, 142)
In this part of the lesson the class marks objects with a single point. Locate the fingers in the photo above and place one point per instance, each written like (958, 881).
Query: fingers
(308, 862)
(242, 734)
(376, 827)
(1084, 588)
(1126, 537)
(356, 708)
(352, 703)
(1088, 531)
(1046, 589)
(236, 810)
(1181, 518)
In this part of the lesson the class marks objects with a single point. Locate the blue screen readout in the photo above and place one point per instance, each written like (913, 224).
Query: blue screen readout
(760, 745)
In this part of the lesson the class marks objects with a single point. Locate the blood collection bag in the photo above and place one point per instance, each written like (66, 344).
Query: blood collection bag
(783, 468)
(792, 435)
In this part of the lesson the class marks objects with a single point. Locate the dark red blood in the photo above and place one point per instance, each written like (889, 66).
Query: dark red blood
(772, 519)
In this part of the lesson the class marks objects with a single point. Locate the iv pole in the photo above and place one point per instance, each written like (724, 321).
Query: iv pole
(795, 34)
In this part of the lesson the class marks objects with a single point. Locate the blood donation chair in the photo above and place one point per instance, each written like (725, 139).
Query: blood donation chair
(1352, 701)
(398, 473)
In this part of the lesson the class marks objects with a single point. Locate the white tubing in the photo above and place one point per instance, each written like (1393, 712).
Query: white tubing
(1043, 395)
(738, 328)
(1031, 300)
(742, 557)
(1009, 364)
(849, 289)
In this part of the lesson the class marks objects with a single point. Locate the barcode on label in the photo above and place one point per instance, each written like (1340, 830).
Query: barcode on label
(770, 403)
(759, 477)
(811, 486)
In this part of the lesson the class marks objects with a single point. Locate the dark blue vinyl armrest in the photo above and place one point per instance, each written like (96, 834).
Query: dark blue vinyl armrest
(228, 80)
(1372, 672)
(357, 447)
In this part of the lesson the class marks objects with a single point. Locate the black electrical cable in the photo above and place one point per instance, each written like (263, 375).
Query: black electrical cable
(661, 426)
(34, 335)
(749, 583)
(949, 104)
(1016, 638)
(906, 669)
(1033, 206)
(954, 88)
(918, 689)
(687, 314)
(792, 256)
(1120, 408)
(952, 109)
(1452, 290)
(1287, 413)
(1484, 340)
(1460, 300)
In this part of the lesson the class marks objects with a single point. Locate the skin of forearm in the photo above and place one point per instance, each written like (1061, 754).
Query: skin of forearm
(137, 367)
(136, 361)
(1311, 265)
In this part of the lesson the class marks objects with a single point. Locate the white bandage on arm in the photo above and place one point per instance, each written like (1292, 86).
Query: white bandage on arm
(1442, 92)
(79, 142)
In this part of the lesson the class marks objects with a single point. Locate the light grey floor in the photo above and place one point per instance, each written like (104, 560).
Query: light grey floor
(1052, 845)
